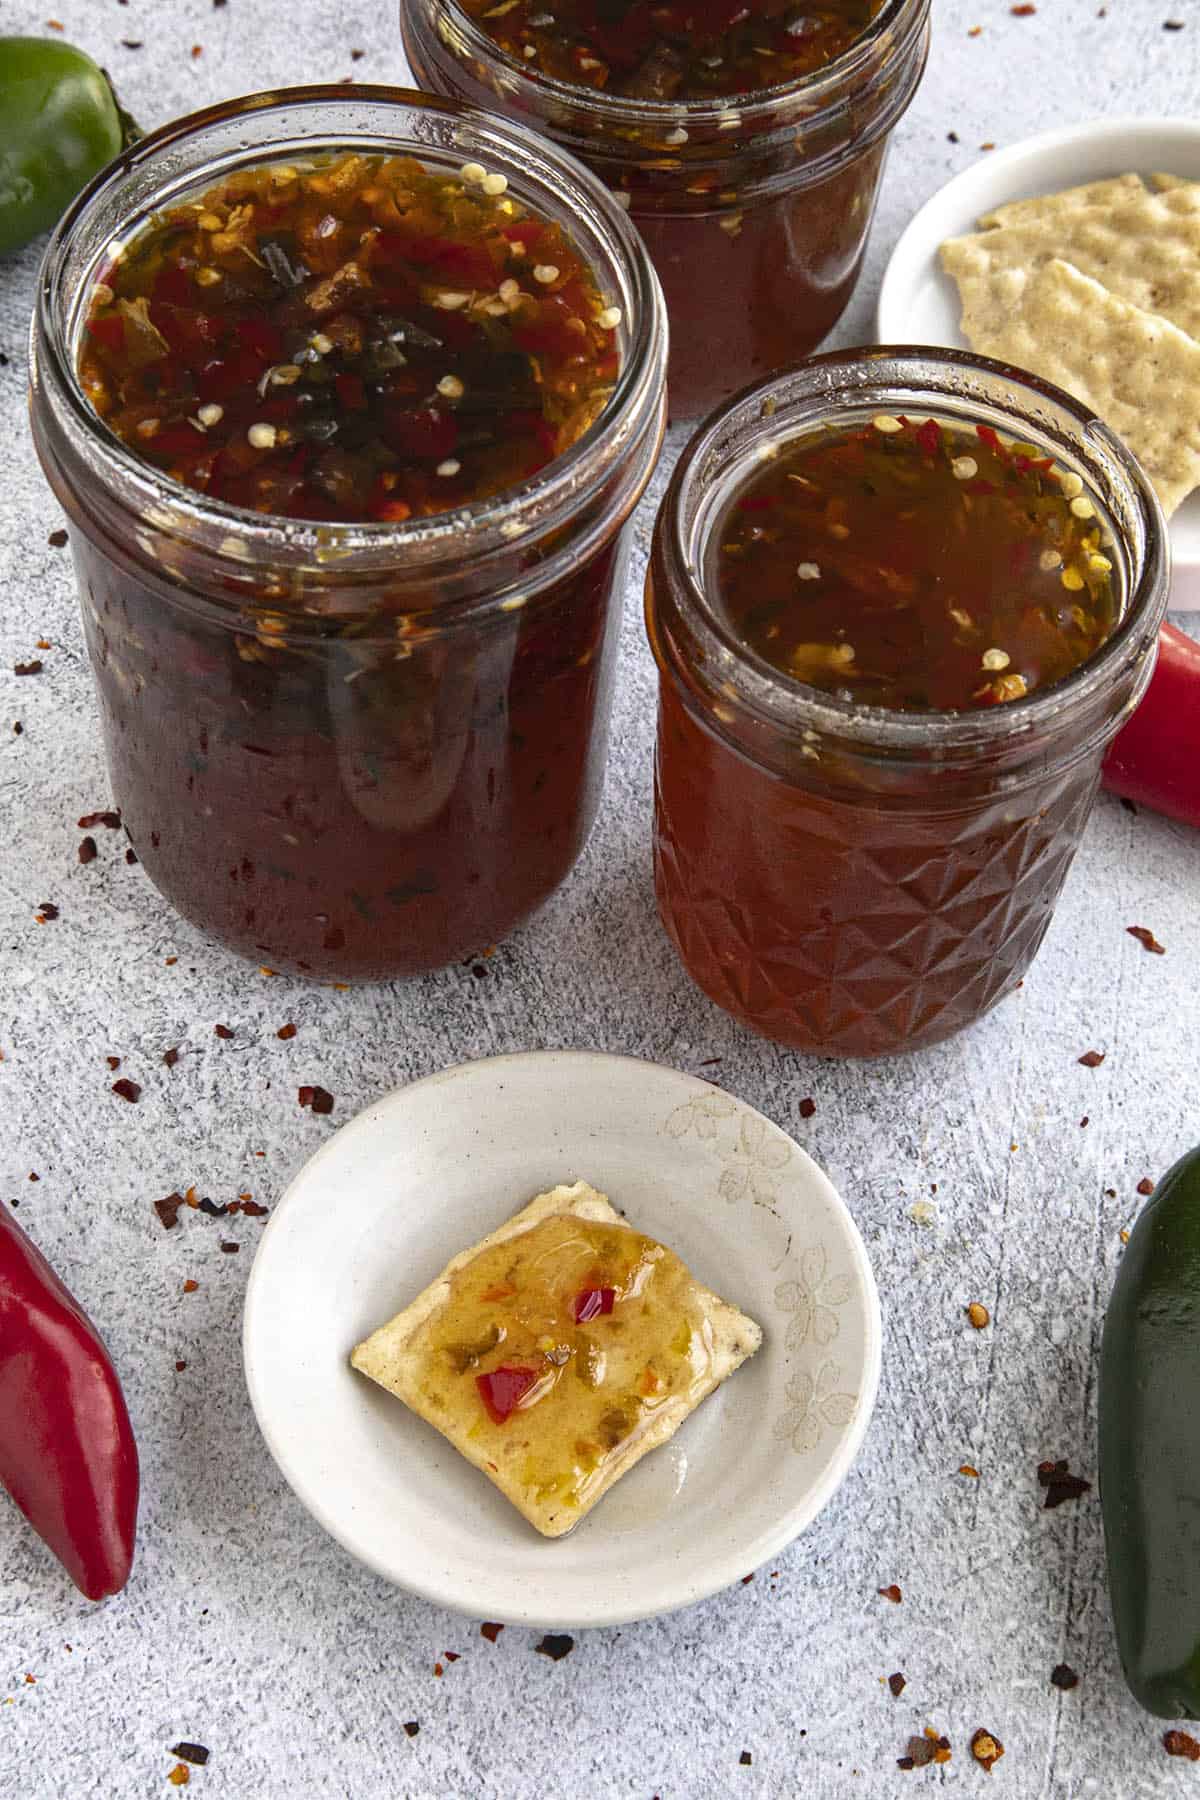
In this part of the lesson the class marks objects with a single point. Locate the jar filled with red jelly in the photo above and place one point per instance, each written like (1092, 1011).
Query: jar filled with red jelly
(348, 400)
(900, 601)
(746, 139)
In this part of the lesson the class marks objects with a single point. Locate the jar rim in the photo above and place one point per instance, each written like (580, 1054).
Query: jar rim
(814, 95)
(895, 378)
(495, 522)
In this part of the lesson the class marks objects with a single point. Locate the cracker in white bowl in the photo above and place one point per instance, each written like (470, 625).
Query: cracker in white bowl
(558, 1351)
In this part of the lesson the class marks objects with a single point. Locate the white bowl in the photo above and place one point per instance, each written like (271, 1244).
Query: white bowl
(428, 1170)
(918, 303)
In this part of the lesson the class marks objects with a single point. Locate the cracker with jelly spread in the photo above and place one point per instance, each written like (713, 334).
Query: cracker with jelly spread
(558, 1351)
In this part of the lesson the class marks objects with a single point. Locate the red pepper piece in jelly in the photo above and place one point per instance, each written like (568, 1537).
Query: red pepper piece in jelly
(504, 1389)
(929, 436)
(590, 1303)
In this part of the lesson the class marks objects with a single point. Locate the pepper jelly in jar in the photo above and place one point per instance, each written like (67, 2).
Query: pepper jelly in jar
(745, 137)
(348, 401)
(900, 602)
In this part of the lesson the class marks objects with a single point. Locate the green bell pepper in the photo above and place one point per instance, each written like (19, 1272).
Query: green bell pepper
(60, 122)
(1149, 1405)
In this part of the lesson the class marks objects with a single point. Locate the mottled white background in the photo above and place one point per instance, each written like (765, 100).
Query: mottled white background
(243, 1626)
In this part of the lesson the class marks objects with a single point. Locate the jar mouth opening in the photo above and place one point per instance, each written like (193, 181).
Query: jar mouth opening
(811, 94)
(535, 163)
(952, 384)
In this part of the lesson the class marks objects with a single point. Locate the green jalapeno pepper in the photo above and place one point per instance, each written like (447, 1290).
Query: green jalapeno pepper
(60, 122)
(1150, 1448)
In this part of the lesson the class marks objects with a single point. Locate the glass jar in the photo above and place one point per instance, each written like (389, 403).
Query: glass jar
(846, 879)
(755, 211)
(355, 751)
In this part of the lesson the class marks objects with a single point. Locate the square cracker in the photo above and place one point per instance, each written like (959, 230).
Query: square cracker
(1137, 371)
(392, 1356)
(1143, 247)
(1055, 206)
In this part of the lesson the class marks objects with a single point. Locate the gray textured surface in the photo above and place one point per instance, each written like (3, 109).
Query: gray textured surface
(244, 1627)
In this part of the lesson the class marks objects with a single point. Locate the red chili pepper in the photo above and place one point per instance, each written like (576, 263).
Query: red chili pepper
(987, 435)
(67, 1453)
(504, 1389)
(591, 1302)
(1155, 758)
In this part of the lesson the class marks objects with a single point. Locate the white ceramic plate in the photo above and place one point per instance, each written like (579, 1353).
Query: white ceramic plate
(918, 304)
(430, 1169)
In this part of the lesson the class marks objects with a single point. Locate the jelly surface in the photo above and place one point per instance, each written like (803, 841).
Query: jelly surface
(915, 565)
(558, 1349)
(356, 338)
(695, 50)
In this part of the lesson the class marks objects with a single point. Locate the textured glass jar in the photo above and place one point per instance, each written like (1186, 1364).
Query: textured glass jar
(356, 751)
(755, 211)
(851, 880)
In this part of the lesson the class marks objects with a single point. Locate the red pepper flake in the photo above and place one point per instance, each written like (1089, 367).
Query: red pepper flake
(924, 1750)
(503, 1390)
(929, 437)
(286, 1032)
(193, 1753)
(745, 1759)
(170, 961)
(57, 539)
(318, 1098)
(180, 1775)
(18, 728)
(47, 911)
(897, 1683)
(128, 1090)
(34, 1176)
(114, 1063)
(1146, 939)
(171, 1057)
(438, 1670)
(1181, 1743)
(1060, 1484)
(180, 1367)
(555, 1645)
(111, 820)
(807, 1107)
(189, 1287)
(131, 856)
(31, 1681)
(411, 1726)
(1063, 1676)
(87, 850)
(263, 970)
(451, 1655)
(746, 1579)
(54, 25)
(229, 1248)
(591, 1303)
(975, 31)
(168, 1210)
(253, 1210)
(1023, 11)
(969, 1470)
(491, 1630)
(891, 1593)
(1091, 1059)
(29, 668)
(1145, 1185)
(357, 55)
(223, 1031)
(986, 1747)
(197, 50)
